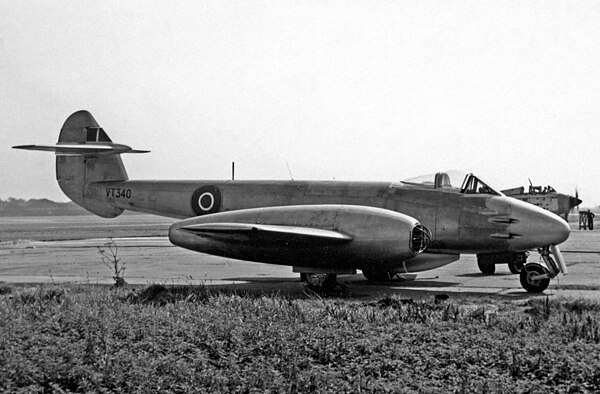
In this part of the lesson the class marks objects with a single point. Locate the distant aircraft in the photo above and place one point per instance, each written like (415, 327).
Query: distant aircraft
(546, 197)
(320, 228)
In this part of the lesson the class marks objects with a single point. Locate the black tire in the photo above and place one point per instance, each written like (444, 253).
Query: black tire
(516, 265)
(512, 266)
(531, 285)
(485, 266)
(377, 276)
(319, 282)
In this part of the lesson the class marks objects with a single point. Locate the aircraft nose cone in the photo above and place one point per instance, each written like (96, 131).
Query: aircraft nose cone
(535, 227)
(557, 230)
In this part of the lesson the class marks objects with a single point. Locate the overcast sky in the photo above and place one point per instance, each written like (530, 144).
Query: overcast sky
(373, 90)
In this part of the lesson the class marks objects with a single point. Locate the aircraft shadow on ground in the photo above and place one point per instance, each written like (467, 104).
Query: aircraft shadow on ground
(363, 290)
(354, 289)
(405, 284)
(352, 282)
(262, 280)
(480, 275)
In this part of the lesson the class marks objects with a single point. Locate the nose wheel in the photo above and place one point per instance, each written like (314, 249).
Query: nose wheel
(535, 278)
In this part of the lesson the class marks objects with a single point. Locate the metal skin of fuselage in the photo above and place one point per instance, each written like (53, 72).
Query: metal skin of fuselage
(459, 222)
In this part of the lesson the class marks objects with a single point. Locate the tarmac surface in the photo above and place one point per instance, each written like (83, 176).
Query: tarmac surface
(154, 260)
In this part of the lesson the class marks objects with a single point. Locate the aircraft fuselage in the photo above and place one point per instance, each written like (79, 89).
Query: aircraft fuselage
(460, 223)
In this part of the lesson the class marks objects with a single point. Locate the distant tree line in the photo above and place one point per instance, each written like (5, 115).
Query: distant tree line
(38, 207)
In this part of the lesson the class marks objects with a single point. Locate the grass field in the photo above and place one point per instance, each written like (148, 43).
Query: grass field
(183, 339)
(87, 338)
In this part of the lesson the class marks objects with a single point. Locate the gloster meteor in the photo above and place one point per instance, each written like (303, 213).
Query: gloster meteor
(320, 228)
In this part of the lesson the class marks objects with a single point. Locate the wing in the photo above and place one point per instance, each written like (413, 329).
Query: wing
(246, 232)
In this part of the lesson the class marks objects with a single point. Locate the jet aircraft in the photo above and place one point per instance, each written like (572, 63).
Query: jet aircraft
(320, 228)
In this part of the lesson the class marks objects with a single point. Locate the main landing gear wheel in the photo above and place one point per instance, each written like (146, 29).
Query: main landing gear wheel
(378, 276)
(516, 265)
(513, 267)
(486, 266)
(319, 282)
(528, 281)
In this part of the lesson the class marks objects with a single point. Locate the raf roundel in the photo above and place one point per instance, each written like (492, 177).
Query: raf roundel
(205, 200)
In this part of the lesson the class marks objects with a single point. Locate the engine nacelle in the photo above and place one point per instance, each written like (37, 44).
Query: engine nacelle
(321, 236)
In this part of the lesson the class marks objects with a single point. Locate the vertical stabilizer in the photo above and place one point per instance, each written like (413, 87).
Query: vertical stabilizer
(77, 172)
(86, 160)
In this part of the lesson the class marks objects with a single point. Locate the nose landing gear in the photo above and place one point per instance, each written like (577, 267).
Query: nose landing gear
(535, 277)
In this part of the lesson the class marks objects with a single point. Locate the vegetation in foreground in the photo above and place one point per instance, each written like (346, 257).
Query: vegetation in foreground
(182, 339)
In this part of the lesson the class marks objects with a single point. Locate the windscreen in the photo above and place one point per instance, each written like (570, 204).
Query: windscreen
(474, 185)
(470, 184)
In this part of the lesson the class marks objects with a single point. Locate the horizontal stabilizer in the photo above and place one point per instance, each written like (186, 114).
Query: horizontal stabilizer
(82, 149)
(277, 232)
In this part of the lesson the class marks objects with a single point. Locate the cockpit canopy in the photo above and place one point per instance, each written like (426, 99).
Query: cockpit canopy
(474, 185)
(470, 184)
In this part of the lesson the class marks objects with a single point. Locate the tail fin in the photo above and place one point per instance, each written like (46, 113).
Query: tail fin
(85, 156)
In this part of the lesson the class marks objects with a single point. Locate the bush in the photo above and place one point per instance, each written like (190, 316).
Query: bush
(186, 338)
(5, 289)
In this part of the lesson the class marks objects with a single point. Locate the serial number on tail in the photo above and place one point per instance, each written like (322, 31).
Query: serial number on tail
(116, 192)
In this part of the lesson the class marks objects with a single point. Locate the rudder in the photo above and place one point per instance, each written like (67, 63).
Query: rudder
(77, 173)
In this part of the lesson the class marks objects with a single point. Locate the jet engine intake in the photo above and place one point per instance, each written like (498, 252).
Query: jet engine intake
(420, 239)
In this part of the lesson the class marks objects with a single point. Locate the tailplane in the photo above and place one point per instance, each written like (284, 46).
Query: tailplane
(85, 158)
